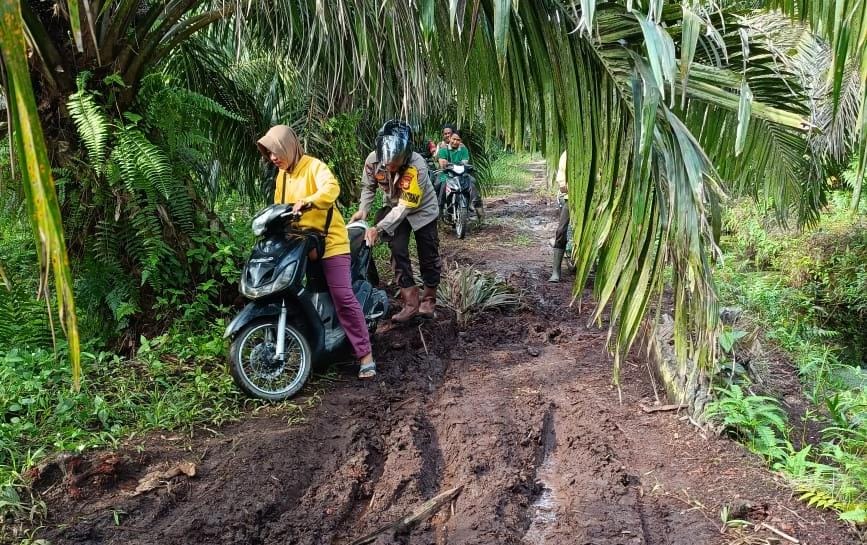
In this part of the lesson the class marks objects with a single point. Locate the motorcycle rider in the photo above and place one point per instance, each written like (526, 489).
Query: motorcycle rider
(456, 153)
(560, 237)
(448, 131)
(434, 147)
(309, 184)
(410, 207)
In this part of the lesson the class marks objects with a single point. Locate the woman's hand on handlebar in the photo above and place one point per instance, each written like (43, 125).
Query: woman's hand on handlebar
(299, 207)
(361, 215)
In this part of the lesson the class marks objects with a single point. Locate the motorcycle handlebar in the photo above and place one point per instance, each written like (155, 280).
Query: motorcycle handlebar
(437, 171)
(291, 213)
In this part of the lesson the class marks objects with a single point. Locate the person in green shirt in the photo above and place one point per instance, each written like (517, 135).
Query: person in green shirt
(457, 153)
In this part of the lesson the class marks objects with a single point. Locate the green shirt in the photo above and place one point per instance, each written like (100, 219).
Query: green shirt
(453, 156)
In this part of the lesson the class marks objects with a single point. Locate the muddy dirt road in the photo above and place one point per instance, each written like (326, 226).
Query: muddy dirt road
(518, 408)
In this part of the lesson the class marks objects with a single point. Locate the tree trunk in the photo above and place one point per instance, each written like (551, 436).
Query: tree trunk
(684, 383)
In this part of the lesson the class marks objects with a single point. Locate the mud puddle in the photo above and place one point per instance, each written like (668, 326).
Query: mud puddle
(543, 510)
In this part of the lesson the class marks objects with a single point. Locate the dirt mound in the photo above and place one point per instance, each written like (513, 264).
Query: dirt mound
(519, 409)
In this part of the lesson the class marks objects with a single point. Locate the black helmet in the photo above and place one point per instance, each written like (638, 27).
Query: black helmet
(393, 143)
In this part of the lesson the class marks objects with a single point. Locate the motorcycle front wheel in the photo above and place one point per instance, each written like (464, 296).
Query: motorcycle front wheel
(461, 218)
(255, 369)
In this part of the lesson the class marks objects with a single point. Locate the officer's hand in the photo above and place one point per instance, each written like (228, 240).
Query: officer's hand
(359, 216)
(371, 236)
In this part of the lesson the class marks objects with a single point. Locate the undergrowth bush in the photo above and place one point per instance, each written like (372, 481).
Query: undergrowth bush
(825, 266)
(139, 215)
(808, 289)
(757, 421)
(337, 141)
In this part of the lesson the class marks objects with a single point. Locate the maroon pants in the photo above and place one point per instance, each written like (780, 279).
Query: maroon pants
(349, 313)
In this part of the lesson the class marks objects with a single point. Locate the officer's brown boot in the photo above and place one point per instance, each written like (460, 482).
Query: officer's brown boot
(427, 308)
(409, 296)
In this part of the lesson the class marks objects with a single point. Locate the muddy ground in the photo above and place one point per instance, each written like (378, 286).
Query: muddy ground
(518, 408)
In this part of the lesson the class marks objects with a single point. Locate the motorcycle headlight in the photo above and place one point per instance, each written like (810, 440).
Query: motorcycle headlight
(458, 169)
(286, 276)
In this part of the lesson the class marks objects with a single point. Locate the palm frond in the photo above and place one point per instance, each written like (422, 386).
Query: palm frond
(470, 293)
(40, 194)
(616, 87)
(643, 194)
(844, 25)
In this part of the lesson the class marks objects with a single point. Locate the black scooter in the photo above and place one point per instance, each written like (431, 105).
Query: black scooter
(290, 322)
(456, 200)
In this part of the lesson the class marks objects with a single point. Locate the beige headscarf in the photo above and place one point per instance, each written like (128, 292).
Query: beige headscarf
(283, 142)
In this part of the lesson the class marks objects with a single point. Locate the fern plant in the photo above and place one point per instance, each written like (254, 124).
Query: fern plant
(90, 120)
(145, 178)
(24, 319)
(758, 421)
(841, 486)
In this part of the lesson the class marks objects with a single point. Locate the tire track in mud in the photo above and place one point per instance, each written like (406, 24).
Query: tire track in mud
(542, 511)
(426, 442)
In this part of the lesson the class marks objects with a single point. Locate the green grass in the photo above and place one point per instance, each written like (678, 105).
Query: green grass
(176, 380)
(508, 174)
(802, 288)
(522, 240)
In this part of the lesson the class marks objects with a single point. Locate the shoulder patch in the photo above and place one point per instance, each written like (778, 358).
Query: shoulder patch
(408, 176)
(410, 190)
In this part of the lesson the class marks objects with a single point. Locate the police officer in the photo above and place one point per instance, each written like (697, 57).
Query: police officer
(410, 208)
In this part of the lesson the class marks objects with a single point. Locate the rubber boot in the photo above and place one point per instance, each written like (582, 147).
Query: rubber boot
(480, 211)
(409, 296)
(427, 308)
(557, 265)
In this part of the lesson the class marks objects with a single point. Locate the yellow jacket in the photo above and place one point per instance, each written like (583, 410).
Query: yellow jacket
(311, 181)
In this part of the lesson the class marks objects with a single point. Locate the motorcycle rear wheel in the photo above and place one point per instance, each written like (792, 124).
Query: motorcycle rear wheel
(255, 370)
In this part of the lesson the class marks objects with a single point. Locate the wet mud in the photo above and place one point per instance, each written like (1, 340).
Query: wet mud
(519, 408)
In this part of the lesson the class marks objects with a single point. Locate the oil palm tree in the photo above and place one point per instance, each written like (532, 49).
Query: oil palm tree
(661, 105)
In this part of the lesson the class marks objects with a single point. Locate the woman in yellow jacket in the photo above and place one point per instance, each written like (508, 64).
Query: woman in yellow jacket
(309, 184)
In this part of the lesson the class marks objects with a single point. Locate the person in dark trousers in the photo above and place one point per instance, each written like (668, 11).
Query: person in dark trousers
(410, 208)
(560, 237)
